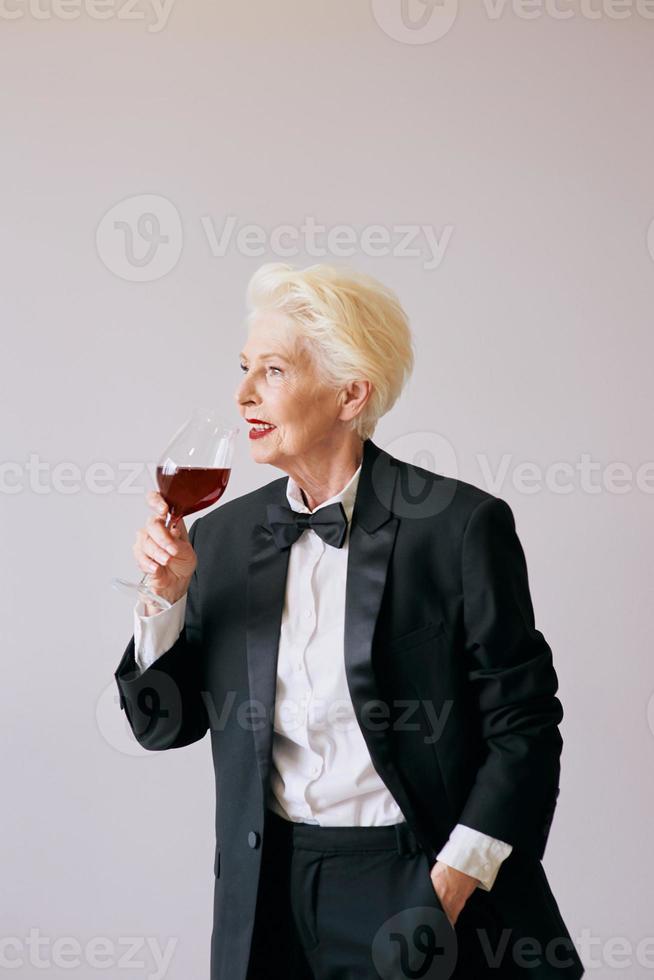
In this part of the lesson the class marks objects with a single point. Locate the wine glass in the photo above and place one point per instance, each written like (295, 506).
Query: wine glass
(192, 473)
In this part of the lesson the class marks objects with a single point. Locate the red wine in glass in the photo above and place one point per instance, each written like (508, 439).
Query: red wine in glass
(187, 489)
(192, 474)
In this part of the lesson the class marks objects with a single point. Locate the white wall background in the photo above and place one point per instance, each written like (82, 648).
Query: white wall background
(522, 139)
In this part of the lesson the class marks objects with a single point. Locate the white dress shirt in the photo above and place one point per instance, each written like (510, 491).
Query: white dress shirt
(322, 771)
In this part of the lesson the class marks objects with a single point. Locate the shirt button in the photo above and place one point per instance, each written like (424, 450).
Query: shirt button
(307, 614)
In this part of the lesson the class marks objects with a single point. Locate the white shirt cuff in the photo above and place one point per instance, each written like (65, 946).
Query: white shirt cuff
(475, 854)
(155, 635)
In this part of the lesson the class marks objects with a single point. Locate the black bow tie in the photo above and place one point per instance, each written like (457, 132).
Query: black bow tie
(287, 524)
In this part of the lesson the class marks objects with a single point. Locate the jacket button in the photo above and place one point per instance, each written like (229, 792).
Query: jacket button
(253, 838)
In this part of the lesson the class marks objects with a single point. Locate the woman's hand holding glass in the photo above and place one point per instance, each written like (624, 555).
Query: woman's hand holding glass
(165, 553)
(192, 474)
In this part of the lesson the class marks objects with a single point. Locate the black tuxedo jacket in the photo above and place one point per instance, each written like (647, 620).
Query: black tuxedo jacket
(453, 687)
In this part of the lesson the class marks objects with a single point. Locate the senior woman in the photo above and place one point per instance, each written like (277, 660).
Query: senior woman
(358, 638)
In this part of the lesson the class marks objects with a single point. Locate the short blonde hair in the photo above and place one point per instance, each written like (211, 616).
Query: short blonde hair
(353, 325)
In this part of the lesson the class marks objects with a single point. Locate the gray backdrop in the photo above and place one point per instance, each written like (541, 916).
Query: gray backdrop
(493, 164)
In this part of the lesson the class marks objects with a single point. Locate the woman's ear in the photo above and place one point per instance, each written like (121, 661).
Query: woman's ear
(353, 397)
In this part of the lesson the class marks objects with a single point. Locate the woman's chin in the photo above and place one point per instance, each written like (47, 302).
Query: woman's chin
(263, 448)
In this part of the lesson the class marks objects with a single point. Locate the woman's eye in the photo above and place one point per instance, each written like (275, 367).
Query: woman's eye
(244, 368)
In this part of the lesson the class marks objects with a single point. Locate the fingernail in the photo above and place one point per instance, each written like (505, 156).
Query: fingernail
(171, 549)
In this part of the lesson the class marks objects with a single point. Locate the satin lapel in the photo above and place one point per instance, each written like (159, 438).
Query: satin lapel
(372, 536)
(266, 589)
(366, 578)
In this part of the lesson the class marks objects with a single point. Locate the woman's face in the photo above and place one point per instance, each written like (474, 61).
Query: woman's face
(280, 386)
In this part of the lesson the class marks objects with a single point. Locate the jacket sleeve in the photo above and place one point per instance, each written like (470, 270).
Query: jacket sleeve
(164, 704)
(511, 673)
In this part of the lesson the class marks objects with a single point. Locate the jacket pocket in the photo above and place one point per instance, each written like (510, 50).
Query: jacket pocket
(417, 636)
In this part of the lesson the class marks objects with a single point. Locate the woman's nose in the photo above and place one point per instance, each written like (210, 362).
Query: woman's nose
(244, 392)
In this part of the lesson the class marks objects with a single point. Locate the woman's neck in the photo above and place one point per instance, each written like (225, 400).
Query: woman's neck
(320, 479)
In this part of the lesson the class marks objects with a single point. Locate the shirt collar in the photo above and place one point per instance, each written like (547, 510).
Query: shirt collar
(346, 496)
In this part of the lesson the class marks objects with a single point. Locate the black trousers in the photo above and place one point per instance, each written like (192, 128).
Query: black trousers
(352, 903)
